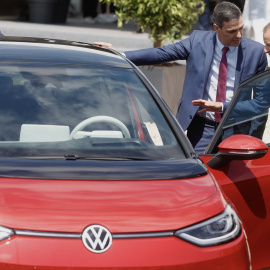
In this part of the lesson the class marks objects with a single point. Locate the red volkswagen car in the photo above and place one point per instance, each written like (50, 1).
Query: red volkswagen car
(96, 173)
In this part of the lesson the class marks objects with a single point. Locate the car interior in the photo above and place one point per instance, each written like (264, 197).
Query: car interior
(43, 107)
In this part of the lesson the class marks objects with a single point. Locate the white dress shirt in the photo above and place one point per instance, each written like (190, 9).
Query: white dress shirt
(211, 87)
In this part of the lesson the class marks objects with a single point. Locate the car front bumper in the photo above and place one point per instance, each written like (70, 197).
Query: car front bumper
(47, 253)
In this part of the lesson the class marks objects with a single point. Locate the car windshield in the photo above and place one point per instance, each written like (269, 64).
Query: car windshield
(80, 112)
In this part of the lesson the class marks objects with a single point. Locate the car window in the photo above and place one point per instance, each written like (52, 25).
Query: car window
(80, 110)
(249, 112)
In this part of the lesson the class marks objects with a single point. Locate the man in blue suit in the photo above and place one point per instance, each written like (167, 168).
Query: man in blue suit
(202, 51)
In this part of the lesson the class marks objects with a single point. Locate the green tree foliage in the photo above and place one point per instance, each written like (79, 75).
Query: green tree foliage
(162, 19)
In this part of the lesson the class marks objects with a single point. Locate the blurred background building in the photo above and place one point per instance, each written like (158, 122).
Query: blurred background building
(21, 9)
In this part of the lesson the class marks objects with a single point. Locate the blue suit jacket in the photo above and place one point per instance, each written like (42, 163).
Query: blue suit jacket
(198, 51)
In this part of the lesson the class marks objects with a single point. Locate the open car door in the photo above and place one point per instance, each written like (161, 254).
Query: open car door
(241, 164)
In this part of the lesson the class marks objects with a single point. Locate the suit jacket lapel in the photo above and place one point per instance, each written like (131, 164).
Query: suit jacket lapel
(209, 57)
(240, 64)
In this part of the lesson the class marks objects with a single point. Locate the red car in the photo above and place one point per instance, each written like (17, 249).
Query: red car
(96, 173)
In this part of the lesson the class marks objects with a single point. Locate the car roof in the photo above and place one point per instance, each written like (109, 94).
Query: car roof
(54, 51)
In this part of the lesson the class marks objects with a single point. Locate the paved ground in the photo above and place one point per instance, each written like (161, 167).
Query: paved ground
(75, 29)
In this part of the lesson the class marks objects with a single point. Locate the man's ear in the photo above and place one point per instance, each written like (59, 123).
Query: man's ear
(216, 27)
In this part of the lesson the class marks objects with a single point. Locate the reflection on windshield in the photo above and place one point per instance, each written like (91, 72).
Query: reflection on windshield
(83, 111)
(249, 114)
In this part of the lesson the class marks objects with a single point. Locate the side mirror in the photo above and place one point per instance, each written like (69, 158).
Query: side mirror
(238, 147)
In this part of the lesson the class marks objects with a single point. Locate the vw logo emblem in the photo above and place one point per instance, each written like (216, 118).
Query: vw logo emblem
(97, 238)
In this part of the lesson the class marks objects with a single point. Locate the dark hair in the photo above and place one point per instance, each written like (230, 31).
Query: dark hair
(225, 12)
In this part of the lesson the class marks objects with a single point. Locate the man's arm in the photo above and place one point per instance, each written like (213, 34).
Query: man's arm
(167, 53)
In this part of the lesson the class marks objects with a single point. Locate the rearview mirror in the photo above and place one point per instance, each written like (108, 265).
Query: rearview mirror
(238, 147)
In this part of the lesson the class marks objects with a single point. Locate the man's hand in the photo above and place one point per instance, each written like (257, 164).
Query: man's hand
(103, 45)
(211, 106)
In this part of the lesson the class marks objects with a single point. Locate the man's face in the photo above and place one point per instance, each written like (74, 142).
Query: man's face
(266, 39)
(231, 32)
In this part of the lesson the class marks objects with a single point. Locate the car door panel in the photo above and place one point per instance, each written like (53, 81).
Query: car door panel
(247, 184)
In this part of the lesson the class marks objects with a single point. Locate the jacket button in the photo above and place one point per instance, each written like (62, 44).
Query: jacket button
(190, 116)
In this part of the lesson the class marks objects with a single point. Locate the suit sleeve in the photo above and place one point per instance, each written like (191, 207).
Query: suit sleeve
(172, 52)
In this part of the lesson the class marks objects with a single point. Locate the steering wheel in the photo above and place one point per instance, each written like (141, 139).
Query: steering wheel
(96, 119)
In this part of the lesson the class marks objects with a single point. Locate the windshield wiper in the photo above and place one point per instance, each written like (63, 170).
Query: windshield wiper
(75, 157)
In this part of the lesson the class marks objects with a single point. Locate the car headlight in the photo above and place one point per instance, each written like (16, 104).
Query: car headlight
(220, 229)
(5, 233)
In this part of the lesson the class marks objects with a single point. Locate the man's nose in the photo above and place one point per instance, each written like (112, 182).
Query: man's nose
(239, 34)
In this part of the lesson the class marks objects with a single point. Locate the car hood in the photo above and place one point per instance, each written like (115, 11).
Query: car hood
(121, 206)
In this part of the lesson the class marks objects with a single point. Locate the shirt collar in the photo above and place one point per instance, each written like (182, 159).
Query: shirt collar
(220, 46)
